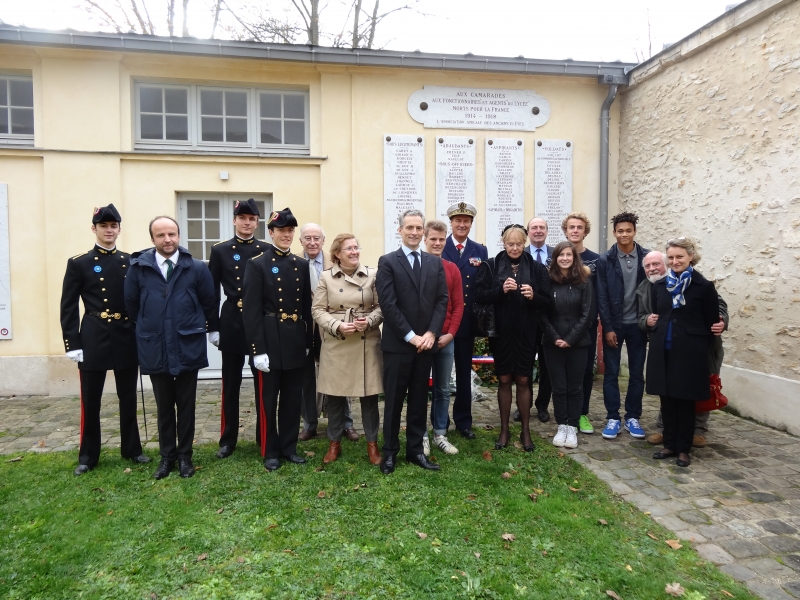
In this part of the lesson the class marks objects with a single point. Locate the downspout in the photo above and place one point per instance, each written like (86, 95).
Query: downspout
(604, 119)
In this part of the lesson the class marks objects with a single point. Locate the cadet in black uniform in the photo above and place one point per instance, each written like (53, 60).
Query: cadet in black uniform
(278, 327)
(104, 339)
(227, 264)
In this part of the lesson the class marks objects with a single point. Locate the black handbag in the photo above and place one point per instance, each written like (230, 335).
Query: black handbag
(483, 314)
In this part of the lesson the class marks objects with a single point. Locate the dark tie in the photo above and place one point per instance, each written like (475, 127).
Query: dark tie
(539, 254)
(416, 268)
(170, 268)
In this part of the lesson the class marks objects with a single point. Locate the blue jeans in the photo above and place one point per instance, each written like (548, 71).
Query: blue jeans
(636, 342)
(442, 368)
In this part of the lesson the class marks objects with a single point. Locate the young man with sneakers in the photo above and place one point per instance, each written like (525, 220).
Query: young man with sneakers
(619, 273)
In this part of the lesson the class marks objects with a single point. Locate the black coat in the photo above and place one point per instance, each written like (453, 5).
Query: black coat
(611, 286)
(276, 307)
(469, 261)
(407, 305)
(98, 278)
(227, 265)
(687, 375)
(570, 314)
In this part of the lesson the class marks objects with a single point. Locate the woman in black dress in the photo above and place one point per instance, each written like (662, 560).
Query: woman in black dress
(519, 287)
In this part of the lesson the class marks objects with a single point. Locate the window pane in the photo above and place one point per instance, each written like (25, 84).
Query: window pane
(177, 128)
(176, 101)
(236, 104)
(150, 99)
(294, 107)
(4, 92)
(261, 208)
(196, 250)
(212, 230)
(3, 120)
(195, 230)
(236, 130)
(22, 121)
(212, 129)
(210, 102)
(194, 209)
(21, 93)
(295, 132)
(271, 106)
(152, 127)
(212, 209)
(260, 232)
(208, 250)
(270, 132)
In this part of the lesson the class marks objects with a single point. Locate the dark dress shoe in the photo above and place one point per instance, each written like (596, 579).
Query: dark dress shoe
(306, 435)
(683, 463)
(422, 461)
(186, 467)
(387, 465)
(527, 447)
(662, 454)
(224, 451)
(467, 434)
(81, 469)
(141, 459)
(543, 415)
(272, 464)
(294, 458)
(351, 434)
(164, 468)
(516, 417)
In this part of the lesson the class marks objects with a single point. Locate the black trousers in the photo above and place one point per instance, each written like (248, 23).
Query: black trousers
(566, 367)
(91, 392)
(678, 416)
(309, 409)
(175, 394)
(279, 435)
(405, 373)
(588, 375)
(232, 365)
(542, 400)
(462, 358)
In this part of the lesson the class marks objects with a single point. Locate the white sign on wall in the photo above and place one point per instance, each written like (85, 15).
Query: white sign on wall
(403, 182)
(5, 267)
(470, 108)
(455, 174)
(505, 188)
(553, 184)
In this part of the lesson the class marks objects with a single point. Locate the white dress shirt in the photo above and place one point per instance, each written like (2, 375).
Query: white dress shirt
(161, 261)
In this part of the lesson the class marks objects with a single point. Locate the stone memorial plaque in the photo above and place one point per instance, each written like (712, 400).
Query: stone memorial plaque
(455, 174)
(470, 108)
(5, 267)
(403, 182)
(553, 184)
(505, 188)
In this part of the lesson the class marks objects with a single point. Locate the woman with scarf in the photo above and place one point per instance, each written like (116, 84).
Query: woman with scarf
(518, 286)
(677, 364)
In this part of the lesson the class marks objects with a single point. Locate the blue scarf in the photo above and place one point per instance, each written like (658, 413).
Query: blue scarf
(676, 285)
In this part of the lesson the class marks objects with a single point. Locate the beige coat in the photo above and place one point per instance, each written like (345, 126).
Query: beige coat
(348, 365)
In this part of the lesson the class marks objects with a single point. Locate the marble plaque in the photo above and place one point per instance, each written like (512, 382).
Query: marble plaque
(5, 267)
(403, 182)
(505, 188)
(455, 174)
(553, 184)
(470, 108)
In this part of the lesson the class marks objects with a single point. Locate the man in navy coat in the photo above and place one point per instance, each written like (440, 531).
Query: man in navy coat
(467, 256)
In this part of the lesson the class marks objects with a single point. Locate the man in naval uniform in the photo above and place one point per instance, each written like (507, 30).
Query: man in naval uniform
(467, 256)
(278, 327)
(104, 340)
(227, 265)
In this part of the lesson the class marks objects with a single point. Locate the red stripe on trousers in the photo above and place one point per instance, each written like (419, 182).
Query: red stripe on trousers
(222, 426)
(263, 414)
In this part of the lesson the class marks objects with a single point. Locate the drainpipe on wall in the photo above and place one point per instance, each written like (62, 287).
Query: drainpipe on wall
(612, 81)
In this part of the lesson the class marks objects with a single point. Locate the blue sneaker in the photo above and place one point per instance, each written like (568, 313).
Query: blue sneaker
(612, 429)
(632, 425)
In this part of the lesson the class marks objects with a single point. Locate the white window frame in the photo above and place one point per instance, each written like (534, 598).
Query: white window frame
(195, 143)
(11, 139)
(199, 117)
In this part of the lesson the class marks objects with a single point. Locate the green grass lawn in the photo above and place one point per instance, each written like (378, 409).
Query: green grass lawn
(236, 531)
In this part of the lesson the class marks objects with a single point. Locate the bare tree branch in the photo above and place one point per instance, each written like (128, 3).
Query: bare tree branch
(93, 8)
(356, 17)
(217, 8)
(127, 18)
(171, 17)
(185, 30)
(138, 16)
(150, 27)
(373, 24)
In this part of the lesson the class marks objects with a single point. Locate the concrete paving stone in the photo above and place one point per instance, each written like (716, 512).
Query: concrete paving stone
(792, 560)
(719, 515)
(754, 512)
(793, 587)
(777, 526)
(763, 497)
(753, 463)
(715, 532)
(767, 591)
(771, 568)
(581, 458)
(691, 536)
(732, 500)
(620, 488)
(661, 482)
(714, 554)
(738, 572)
(695, 517)
(671, 522)
(625, 474)
(677, 492)
(782, 544)
(656, 493)
(704, 502)
(637, 483)
(744, 529)
(743, 486)
(744, 548)
(730, 475)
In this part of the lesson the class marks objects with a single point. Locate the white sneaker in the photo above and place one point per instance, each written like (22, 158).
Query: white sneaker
(426, 446)
(444, 445)
(560, 437)
(572, 437)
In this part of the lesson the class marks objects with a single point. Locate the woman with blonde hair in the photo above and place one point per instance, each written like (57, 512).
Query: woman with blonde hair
(350, 364)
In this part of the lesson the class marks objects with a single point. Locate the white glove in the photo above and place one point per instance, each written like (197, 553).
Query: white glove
(307, 351)
(213, 338)
(76, 355)
(261, 362)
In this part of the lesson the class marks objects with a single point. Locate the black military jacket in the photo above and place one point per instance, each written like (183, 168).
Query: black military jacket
(277, 308)
(227, 265)
(106, 334)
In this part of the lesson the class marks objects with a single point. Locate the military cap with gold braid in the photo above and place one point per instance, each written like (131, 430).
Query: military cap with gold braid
(281, 218)
(461, 209)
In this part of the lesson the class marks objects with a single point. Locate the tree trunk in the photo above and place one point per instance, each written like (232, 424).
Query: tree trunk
(216, 18)
(373, 24)
(171, 17)
(313, 33)
(356, 18)
(185, 30)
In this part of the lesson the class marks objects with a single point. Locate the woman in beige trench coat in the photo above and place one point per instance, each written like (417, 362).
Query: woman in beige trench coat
(350, 364)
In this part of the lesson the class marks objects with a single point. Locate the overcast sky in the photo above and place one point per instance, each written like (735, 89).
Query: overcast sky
(603, 30)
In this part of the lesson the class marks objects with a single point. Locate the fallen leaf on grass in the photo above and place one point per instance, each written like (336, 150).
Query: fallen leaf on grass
(488, 427)
(727, 593)
(561, 455)
(309, 453)
(41, 444)
(613, 594)
(674, 589)
(153, 596)
(290, 551)
(674, 544)
(203, 556)
(219, 512)
(602, 521)
(651, 536)
(477, 554)
(319, 469)
(471, 497)
(573, 490)
(629, 568)
(533, 497)
(198, 467)
(109, 513)
(15, 459)
(128, 470)
(506, 475)
(273, 526)
(421, 535)
(436, 542)
(517, 445)
(538, 490)
(240, 560)
(185, 570)
(358, 487)
(487, 455)
(321, 494)
(98, 489)
(509, 537)
(432, 458)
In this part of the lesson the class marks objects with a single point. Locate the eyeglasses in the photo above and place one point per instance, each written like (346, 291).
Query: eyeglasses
(352, 249)
(308, 238)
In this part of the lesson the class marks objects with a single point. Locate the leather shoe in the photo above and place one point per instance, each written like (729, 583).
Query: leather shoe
(517, 418)
(373, 453)
(306, 435)
(351, 434)
(683, 463)
(334, 450)
(387, 465)
(467, 434)
(141, 459)
(164, 468)
(543, 415)
(294, 458)
(81, 469)
(422, 461)
(662, 454)
(272, 464)
(186, 467)
(224, 451)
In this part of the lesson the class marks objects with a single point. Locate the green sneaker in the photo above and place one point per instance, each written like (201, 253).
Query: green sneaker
(584, 426)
